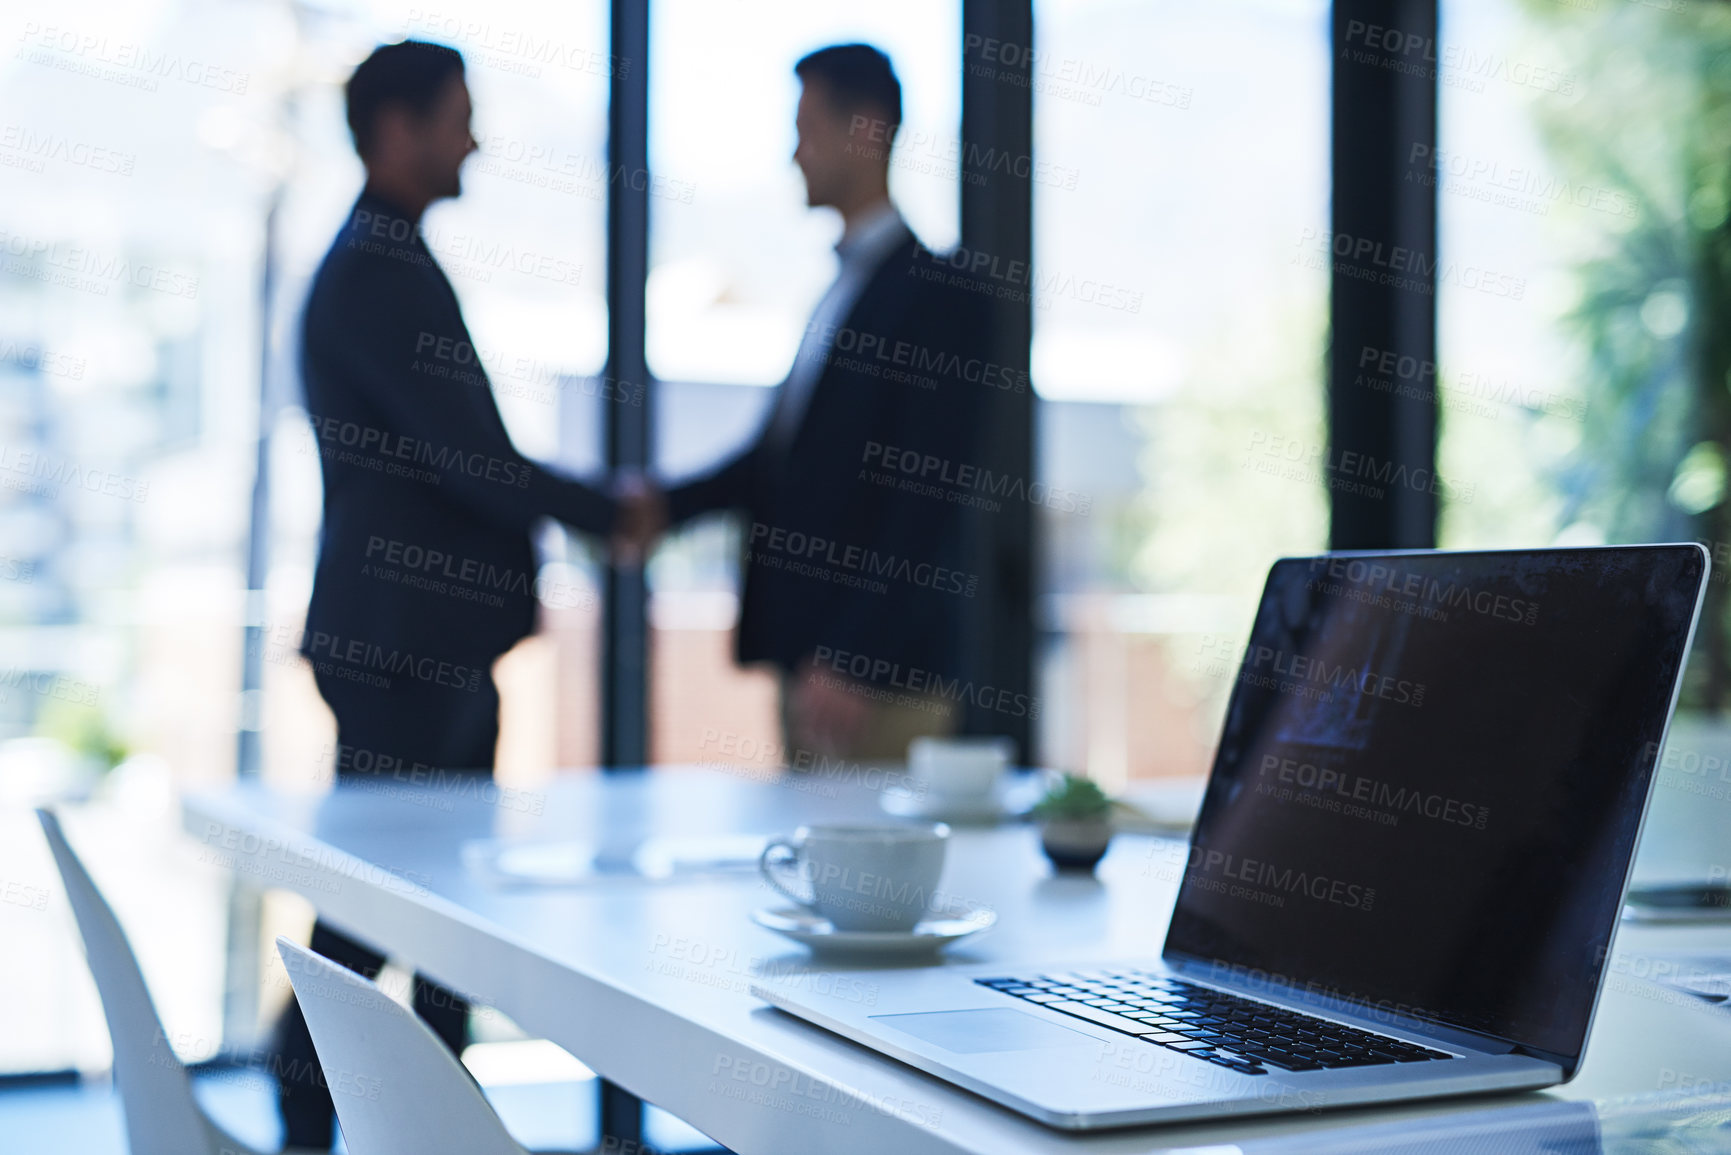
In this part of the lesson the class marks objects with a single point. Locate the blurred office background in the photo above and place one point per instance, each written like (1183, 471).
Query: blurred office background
(171, 172)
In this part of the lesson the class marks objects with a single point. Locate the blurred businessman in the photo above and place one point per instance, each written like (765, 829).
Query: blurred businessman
(426, 572)
(856, 575)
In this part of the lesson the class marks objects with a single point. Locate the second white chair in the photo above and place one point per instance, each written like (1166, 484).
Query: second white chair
(397, 1089)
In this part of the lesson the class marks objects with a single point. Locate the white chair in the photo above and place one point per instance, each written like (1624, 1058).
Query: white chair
(162, 1116)
(398, 1089)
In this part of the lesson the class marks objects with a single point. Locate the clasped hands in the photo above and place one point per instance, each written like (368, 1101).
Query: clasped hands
(641, 517)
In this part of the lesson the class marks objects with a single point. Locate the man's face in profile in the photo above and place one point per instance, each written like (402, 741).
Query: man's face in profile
(830, 154)
(441, 140)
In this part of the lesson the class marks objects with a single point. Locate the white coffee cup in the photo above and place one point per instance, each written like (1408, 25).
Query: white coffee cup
(861, 878)
(958, 770)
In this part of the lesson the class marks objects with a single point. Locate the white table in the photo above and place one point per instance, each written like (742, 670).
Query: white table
(646, 983)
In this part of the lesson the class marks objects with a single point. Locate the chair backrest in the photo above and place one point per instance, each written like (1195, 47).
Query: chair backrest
(162, 1116)
(398, 1089)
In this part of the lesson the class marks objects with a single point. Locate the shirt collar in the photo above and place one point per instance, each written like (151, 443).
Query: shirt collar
(873, 233)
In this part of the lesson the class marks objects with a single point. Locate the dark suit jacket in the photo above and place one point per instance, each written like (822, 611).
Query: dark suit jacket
(427, 505)
(839, 552)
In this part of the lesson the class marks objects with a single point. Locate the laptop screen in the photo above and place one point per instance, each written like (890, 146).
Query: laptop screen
(1430, 780)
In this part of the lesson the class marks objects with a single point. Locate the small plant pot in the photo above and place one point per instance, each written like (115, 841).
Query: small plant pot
(1075, 844)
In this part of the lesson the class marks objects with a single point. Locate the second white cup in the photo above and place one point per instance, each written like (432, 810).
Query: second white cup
(958, 770)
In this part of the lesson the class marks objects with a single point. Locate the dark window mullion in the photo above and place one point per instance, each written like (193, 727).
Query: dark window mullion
(625, 629)
(1384, 109)
(625, 595)
(997, 219)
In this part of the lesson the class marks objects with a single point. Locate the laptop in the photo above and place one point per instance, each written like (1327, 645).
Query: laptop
(1407, 869)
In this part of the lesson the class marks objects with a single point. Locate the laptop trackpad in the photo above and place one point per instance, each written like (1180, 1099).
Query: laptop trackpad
(975, 1032)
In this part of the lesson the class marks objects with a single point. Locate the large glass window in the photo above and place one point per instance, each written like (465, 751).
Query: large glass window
(1524, 197)
(128, 354)
(1181, 185)
(143, 149)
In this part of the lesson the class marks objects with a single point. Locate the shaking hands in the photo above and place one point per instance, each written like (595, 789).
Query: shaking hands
(642, 517)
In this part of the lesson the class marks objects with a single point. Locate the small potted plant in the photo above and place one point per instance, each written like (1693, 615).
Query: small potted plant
(1075, 823)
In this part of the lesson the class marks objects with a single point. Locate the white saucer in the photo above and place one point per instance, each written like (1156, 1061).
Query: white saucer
(980, 810)
(929, 935)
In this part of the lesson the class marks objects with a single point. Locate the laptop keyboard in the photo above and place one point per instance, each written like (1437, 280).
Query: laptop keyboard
(1241, 1034)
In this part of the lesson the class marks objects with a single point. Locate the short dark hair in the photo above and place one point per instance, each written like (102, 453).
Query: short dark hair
(856, 76)
(411, 73)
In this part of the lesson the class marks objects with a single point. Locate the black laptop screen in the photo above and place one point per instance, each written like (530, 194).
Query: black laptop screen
(1430, 781)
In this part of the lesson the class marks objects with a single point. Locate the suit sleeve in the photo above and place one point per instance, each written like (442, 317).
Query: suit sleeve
(727, 486)
(371, 338)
